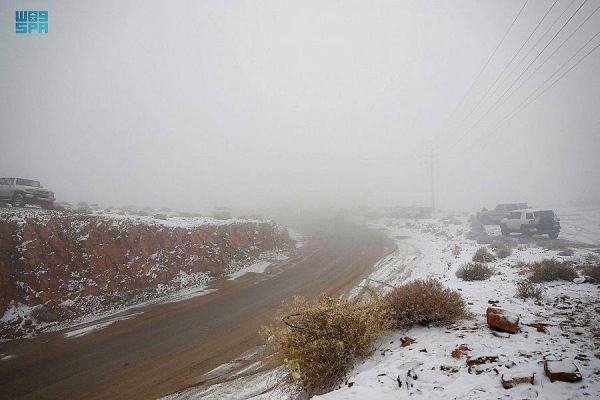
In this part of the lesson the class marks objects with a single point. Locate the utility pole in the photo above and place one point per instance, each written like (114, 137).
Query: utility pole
(431, 159)
(432, 186)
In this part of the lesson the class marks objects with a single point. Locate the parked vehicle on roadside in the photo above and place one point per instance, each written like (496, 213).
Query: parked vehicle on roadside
(19, 192)
(531, 222)
(494, 216)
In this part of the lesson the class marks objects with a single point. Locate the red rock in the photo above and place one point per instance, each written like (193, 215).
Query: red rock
(512, 379)
(562, 371)
(481, 360)
(502, 320)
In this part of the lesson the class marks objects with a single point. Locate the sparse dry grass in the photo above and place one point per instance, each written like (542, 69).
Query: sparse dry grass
(320, 341)
(482, 255)
(529, 290)
(503, 247)
(456, 251)
(503, 251)
(591, 267)
(550, 269)
(424, 302)
(566, 252)
(474, 271)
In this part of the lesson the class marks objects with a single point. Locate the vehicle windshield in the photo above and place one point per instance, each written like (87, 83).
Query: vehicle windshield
(545, 213)
(27, 182)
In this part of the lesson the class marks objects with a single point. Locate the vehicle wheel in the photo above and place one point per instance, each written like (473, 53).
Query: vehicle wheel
(18, 200)
(504, 230)
(48, 206)
(526, 232)
(553, 235)
(486, 220)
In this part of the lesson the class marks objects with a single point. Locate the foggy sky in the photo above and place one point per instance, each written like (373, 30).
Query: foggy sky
(195, 104)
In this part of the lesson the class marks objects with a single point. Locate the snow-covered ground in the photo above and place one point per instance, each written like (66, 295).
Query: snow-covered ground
(169, 219)
(435, 365)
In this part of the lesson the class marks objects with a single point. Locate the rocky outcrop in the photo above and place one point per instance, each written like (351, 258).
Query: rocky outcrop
(70, 262)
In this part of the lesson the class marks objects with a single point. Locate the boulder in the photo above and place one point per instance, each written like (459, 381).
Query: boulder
(562, 371)
(502, 320)
(512, 379)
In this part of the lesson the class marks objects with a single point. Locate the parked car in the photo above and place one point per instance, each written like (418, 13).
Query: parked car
(531, 222)
(19, 191)
(494, 216)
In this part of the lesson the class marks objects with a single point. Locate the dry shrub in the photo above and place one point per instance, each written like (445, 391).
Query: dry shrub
(591, 267)
(503, 251)
(43, 313)
(483, 255)
(593, 271)
(456, 251)
(529, 290)
(474, 271)
(566, 252)
(320, 341)
(503, 247)
(424, 302)
(550, 269)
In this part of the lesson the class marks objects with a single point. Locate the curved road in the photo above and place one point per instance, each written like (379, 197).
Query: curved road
(167, 347)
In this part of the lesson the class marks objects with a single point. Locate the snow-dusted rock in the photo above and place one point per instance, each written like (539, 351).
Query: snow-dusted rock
(514, 378)
(498, 318)
(562, 371)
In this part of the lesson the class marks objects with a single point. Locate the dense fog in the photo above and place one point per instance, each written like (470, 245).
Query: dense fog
(192, 105)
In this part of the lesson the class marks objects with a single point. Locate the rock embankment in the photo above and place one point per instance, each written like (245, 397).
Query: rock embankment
(74, 264)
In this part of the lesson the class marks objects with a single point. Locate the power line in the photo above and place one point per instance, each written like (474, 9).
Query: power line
(502, 73)
(488, 61)
(535, 45)
(549, 57)
(509, 117)
(510, 87)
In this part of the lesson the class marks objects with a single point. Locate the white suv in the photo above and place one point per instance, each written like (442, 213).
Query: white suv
(529, 222)
(21, 191)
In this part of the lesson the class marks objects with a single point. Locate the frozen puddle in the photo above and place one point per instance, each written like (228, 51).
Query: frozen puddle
(98, 326)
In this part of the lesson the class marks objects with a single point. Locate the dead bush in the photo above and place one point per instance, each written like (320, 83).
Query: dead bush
(529, 290)
(424, 302)
(474, 271)
(482, 255)
(456, 251)
(503, 247)
(550, 269)
(593, 272)
(591, 267)
(43, 313)
(503, 251)
(320, 341)
(566, 253)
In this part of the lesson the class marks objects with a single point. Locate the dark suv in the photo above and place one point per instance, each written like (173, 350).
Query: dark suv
(19, 192)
